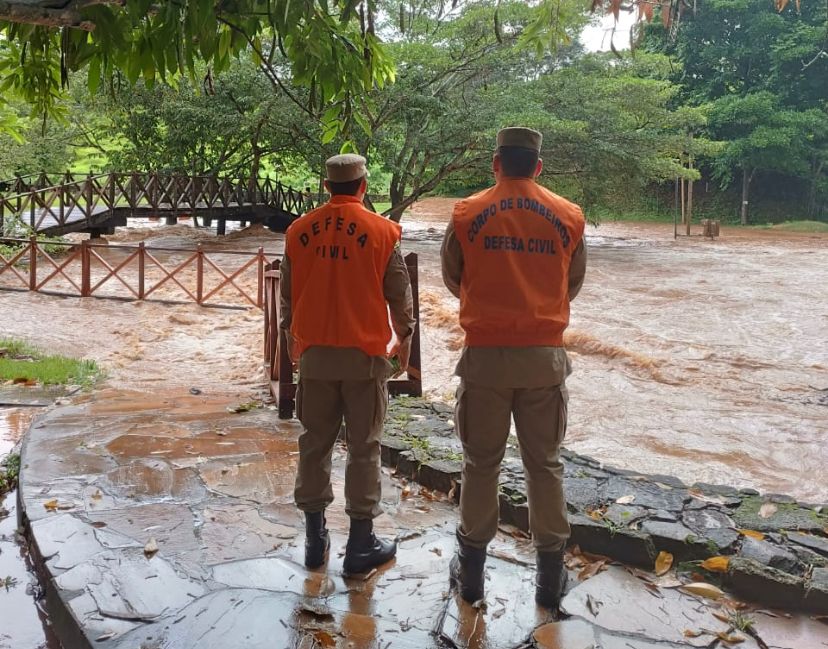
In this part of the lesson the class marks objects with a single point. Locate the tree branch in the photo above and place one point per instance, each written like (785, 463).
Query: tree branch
(27, 14)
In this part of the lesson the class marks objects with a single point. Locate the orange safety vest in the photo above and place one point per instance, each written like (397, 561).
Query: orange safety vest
(517, 240)
(338, 256)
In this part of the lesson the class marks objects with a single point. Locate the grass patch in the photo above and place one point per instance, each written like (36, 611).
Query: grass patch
(21, 362)
(802, 226)
(9, 473)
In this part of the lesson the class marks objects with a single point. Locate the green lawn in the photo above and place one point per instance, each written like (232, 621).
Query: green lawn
(22, 362)
(802, 226)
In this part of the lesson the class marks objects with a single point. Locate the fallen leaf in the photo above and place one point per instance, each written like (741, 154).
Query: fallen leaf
(406, 492)
(106, 636)
(626, 500)
(98, 524)
(593, 604)
(151, 547)
(437, 551)
(498, 613)
(767, 510)
(28, 383)
(51, 505)
(703, 590)
(591, 569)
(729, 639)
(720, 616)
(324, 638)
(663, 563)
(692, 634)
(716, 564)
(453, 491)
(589, 556)
(752, 534)
(97, 495)
(595, 514)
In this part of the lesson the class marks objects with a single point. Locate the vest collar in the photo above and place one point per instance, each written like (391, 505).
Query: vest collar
(517, 179)
(341, 199)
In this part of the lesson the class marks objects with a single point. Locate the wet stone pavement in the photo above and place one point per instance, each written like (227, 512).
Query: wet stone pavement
(776, 549)
(166, 521)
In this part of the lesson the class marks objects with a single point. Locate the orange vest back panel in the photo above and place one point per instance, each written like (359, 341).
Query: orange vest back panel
(338, 256)
(517, 240)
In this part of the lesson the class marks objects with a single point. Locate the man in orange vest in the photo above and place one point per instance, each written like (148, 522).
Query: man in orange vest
(341, 274)
(514, 254)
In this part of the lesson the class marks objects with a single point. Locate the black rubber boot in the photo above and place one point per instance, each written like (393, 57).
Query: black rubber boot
(365, 551)
(550, 580)
(466, 571)
(317, 541)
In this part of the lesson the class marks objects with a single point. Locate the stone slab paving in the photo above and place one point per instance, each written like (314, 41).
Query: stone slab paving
(777, 548)
(114, 474)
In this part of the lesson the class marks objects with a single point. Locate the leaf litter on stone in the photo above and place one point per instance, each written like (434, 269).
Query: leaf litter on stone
(663, 563)
(752, 534)
(324, 638)
(767, 510)
(151, 547)
(716, 564)
(625, 500)
(703, 589)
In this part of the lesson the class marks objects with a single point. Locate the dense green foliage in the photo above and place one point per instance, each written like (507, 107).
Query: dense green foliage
(738, 92)
(762, 77)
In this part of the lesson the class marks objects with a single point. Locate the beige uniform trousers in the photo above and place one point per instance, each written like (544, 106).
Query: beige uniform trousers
(359, 396)
(483, 419)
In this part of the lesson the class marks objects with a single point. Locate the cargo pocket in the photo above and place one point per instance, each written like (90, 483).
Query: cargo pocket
(299, 391)
(380, 405)
(460, 412)
(563, 413)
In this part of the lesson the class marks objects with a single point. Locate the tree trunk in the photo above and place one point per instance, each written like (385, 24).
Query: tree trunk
(689, 197)
(812, 194)
(746, 178)
(397, 194)
(683, 202)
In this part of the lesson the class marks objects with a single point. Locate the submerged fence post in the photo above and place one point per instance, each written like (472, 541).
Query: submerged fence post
(141, 262)
(33, 263)
(261, 269)
(199, 274)
(86, 270)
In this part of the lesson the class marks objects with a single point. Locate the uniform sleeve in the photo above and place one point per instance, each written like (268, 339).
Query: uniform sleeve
(396, 287)
(451, 256)
(285, 307)
(577, 269)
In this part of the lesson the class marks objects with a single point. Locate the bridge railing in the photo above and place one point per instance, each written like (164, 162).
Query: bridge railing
(93, 198)
(135, 272)
(279, 368)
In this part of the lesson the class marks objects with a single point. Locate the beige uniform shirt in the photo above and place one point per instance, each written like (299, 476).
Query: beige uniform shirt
(510, 367)
(349, 364)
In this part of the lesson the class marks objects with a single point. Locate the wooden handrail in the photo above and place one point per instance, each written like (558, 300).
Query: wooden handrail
(141, 272)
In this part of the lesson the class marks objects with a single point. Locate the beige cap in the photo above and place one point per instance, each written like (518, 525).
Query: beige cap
(345, 168)
(525, 138)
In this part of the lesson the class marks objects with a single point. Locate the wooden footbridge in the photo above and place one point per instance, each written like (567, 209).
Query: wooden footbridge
(56, 205)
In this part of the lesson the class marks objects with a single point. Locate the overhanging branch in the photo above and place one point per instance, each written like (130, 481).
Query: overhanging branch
(30, 15)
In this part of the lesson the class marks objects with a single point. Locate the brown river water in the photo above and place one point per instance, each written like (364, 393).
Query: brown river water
(706, 360)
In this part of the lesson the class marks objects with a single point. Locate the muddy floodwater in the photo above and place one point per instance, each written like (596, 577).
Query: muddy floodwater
(706, 360)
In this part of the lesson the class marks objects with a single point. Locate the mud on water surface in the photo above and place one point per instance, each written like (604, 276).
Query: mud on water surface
(706, 360)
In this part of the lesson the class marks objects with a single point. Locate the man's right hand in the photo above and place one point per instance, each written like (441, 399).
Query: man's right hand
(403, 354)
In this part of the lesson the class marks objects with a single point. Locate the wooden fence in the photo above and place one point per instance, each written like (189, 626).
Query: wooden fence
(278, 363)
(84, 270)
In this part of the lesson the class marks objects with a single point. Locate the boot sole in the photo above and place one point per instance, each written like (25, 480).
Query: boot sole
(364, 570)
